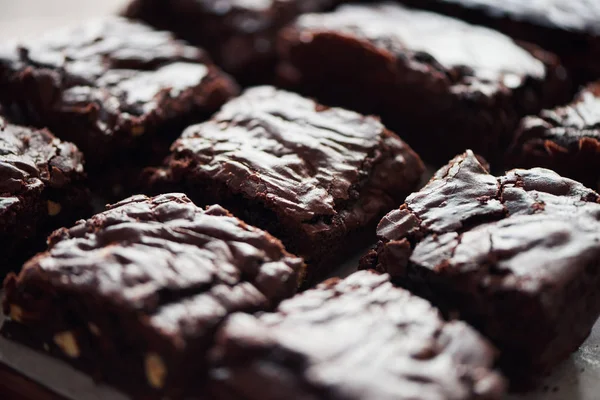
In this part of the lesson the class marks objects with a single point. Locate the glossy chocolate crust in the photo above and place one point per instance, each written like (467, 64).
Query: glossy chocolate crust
(516, 256)
(570, 28)
(442, 84)
(239, 34)
(313, 176)
(41, 188)
(565, 139)
(354, 339)
(111, 86)
(133, 295)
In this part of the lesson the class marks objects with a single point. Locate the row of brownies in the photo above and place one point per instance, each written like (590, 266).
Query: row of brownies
(160, 297)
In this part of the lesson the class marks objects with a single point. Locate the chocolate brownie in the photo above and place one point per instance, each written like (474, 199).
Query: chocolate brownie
(313, 176)
(352, 339)
(115, 88)
(239, 34)
(570, 28)
(517, 256)
(565, 139)
(441, 83)
(42, 187)
(134, 295)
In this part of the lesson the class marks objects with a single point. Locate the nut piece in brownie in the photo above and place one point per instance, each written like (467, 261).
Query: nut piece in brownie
(239, 34)
(443, 84)
(517, 256)
(570, 28)
(354, 339)
(133, 295)
(113, 87)
(565, 139)
(41, 188)
(313, 176)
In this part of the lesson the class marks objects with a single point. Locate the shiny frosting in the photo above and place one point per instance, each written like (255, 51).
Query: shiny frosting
(357, 338)
(431, 41)
(566, 125)
(299, 158)
(526, 227)
(182, 267)
(123, 74)
(569, 15)
(32, 160)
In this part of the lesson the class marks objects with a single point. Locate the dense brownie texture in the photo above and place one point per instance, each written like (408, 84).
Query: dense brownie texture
(133, 295)
(119, 90)
(565, 139)
(516, 256)
(443, 84)
(313, 176)
(41, 188)
(570, 28)
(239, 34)
(352, 339)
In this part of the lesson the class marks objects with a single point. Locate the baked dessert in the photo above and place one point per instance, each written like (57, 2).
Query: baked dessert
(564, 139)
(442, 84)
(119, 90)
(570, 28)
(42, 187)
(133, 295)
(351, 339)
(315, 177)
(516, 256)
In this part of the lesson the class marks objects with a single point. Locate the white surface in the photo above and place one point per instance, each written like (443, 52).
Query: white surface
(28, 18)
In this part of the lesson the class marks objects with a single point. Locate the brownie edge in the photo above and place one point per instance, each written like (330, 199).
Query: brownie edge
(565, 139)
(515, 255)
(316, 177)
(443, 84)
(133, 295)
(42, 187)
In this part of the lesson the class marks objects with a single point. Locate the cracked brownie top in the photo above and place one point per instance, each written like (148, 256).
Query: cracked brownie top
(31, 160)
(523, 225)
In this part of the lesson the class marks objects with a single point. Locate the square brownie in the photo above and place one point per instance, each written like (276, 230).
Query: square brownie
(444, 85)
(119, 90)
(315, 177)
(354, 339)
(565, 139)
(239, 34)
(570, 28)
(517, 256)
(133, 295)
(42, 187)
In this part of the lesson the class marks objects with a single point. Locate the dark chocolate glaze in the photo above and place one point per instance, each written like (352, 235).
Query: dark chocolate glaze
(432, 78)
(32, 159)
(512, 251)
(41, 186)
(571, 28)
(467, 56)
(565, 139)
(567, 15)
(149, 277)
(239, 34)
(351, 339)
(109, 84)
(323, 172)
